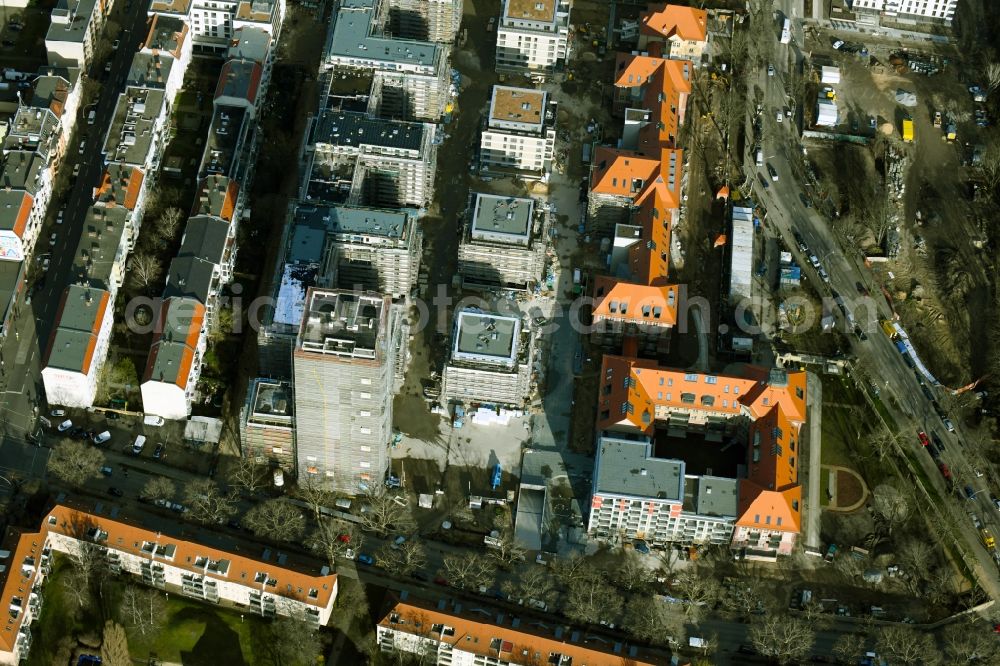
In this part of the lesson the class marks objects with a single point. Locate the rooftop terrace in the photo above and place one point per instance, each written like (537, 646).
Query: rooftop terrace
(343, 323)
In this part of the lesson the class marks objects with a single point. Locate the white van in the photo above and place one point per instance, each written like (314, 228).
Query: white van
(91, 116)
(760, 157)
(151, 420)
(140, 441)
(102, 437)
(279, 478)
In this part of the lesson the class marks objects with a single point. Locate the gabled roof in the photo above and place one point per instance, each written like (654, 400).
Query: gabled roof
(675, 22)
(172, 355)
(217, 196)
(621, 172)
(205, 237)
(190, 277)
(649, 257)
(239, 79)
(77, 327)
(15, 209)
(636, 303)
(514, 643)
(120, 185)
(770, 509)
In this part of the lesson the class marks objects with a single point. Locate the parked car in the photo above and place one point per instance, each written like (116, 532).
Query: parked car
(107, 471)
(102, 438)
(52, 238)
(158, 453)
(115, 492)
(823, 275)
(152, 420)
(60, 215)
(76, 169)
(937, 441)
(763, 181)
(805, 200)
(115, 45)
(366, 559)
(140, 441)
(641, 546)
(65, 425)
(837, 44)
(969, 492)
(771, 170)
(83, 145)
(770, 70)
(57, 412)
(949, 426)
(922, 436)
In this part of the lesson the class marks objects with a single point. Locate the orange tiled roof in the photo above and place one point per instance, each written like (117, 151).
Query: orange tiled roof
(15, 584)
(621, 172)
(767, 509)
(635, 303)
(518, 646)
(111, 187)
(649, 258)
(685, 23)
(23, 213)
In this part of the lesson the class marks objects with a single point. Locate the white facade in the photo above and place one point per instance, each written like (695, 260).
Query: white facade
(941, 10)
(534, 39)
(77, 388)
(75, 27)
(168, 398)
(779, 542)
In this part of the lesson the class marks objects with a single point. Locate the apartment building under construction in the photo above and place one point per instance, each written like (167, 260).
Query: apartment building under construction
(503, 244)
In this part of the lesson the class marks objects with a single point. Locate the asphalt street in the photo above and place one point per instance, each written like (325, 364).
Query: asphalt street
(909, 406)
(23, 351)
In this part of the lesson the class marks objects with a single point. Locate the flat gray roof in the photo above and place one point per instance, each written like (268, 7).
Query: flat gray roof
(224, 137)
(205, 237)
(10, 278)
(150, 69)
(717, 496)
(625, 468)
(21, 170)
(390, 223)
(290, 302)
(306, 246)
(271, 398)
(250, 43)
(15, 207)
(528, 519)
(486, 335)
(342, 322)
(351, 128)
(190, 277)
(94, 259)
(131, 133)
(70, 19)
(352, 38)
(503, 215)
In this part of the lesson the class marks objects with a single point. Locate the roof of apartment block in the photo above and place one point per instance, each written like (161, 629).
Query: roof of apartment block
(33, 130)
(351, 128)
(717, 496)
(487, 335)
(621, 172)
(352, 38)
(767, 509)
(179, 7)
(533, 10)
(172, 354)
(271, 397)
(493, 634)
(343, 322)
(206, 237)
(52, 87)
(131, 133)
(94, 259)
(21, 170)
(685, 23)
(518, 105)
(70, 19)
(255, 10)
(290, 301)
(225, 136)
(240, 79)
(16, 580)
(120, 186)
(15, 208)
(217, 196)
(649, 256)
(166, 33)
(190, 277)
(627, 467)
(78, 324)
(757, 390)
(250, 43)
(637, 303)
(502, 215)
(150, 69)
(10, 284)
(390, 223)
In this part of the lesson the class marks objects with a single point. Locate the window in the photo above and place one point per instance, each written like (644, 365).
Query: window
(688, 398)
(690, 377)
(364, 412)
(364, 465)
(707, 400)
(365, 431)
(795, 505)
(365, 396)
(710, 379)
(366, 449)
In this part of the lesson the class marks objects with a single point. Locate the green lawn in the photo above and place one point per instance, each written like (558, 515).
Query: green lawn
(197, 633)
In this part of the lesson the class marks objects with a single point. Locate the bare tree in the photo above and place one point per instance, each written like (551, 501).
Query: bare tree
(76, 589)
(145, 269)
(630, 572)
(883, 444)
(916, 557)
(746, 596)
(277, 519)
(404, 559)
(207, 503)
(169, 224)
(507, 550)
(785, 639)
(114, 645)
(890, 505)
(591, 598)
(900, 644)
(312, 492)
(700, 592)
(993, 76)
(159, 487)
(294, 640)
(143, 609)
(333, 539)
(384, 512)
(530, 582)
(969, 643)
(849, 648)
(568, 569)
(650, 620)
(75, 463)
(468, 571)
(246, 474)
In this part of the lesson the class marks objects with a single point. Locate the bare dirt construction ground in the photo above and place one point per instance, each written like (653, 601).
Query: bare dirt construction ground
(944, 284)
